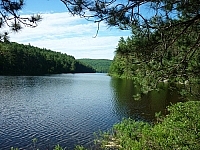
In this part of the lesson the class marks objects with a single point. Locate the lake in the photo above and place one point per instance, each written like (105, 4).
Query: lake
(67, 109)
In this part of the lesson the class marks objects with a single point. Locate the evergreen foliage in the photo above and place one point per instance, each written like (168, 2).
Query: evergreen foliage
(10, 16)
(19, 59)
(100, 65)
(148, 64)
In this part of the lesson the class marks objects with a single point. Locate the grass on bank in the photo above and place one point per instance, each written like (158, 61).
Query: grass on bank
(180, 130)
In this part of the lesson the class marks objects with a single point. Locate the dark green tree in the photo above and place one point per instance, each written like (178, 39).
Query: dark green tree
(19, 59)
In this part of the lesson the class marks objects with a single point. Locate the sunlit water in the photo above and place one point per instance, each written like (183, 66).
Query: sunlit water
(67, 109)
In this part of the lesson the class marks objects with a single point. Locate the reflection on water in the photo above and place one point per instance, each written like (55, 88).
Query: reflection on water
(67, 109)
(145, 109)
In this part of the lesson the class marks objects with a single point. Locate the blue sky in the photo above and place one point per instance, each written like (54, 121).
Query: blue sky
(59, 31)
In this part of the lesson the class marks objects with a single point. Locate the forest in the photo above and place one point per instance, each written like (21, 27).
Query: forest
(100, 65)
(19, 59)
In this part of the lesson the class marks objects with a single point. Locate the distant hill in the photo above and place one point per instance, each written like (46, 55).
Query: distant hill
(100, 65)
(19, 59)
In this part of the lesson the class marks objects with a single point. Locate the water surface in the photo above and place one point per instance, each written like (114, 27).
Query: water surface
(67, 109)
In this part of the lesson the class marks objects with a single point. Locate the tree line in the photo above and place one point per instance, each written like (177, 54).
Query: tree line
(19, 59)
(100, 65)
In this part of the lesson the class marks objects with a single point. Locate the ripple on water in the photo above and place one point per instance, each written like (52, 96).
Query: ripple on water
(59, 109)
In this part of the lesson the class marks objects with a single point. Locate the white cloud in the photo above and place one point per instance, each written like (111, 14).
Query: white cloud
(72, 35)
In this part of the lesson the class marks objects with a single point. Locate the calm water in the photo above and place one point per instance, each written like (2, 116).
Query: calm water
(67, 109)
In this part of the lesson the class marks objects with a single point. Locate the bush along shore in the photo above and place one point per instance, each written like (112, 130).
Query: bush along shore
(178, 130)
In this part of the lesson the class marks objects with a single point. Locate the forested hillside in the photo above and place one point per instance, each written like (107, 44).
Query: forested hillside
(100, 65)
(19, 59)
